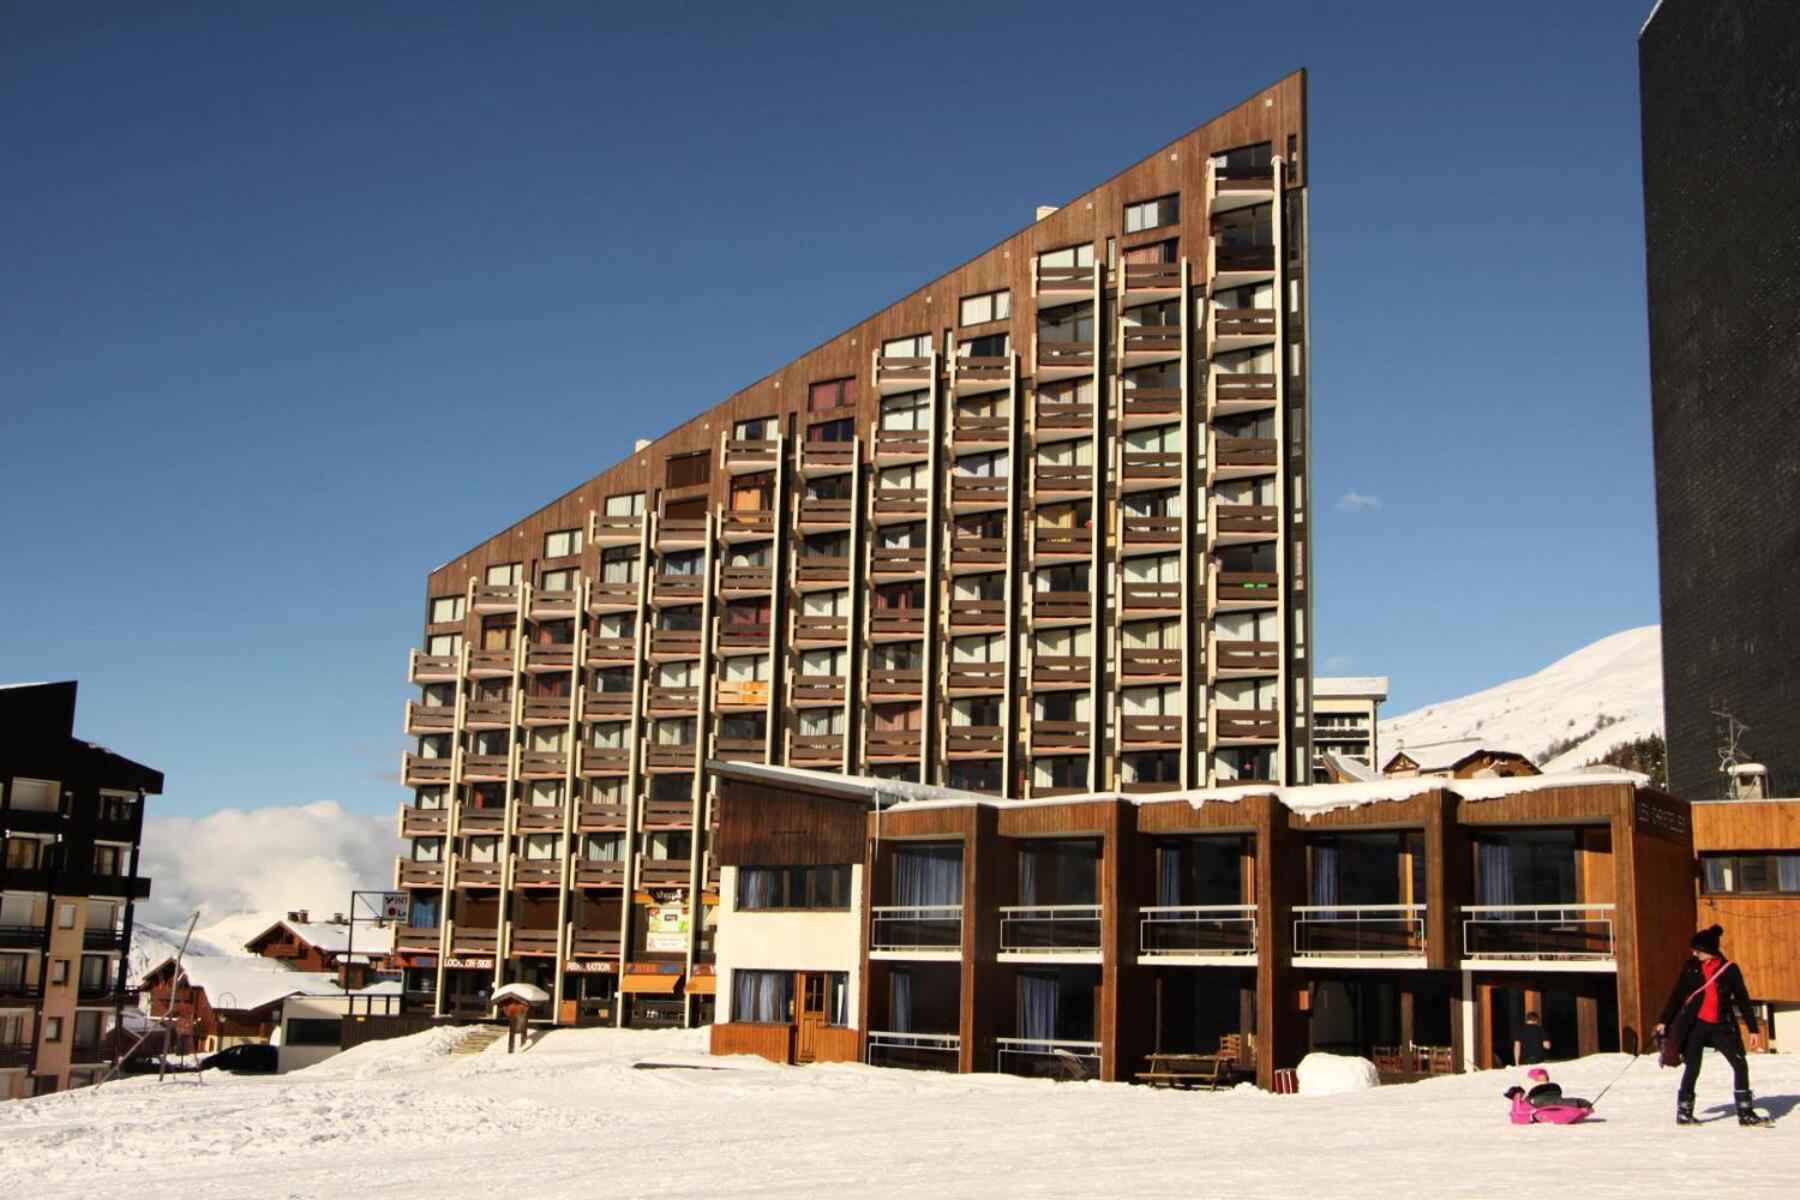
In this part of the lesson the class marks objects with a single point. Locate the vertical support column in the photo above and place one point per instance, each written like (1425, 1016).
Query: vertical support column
(856, 663)
(1016, 650)
(935, 508)
(1284, 575)
(1100, 563)
(697, 785)
(634, 760)
(1193, 632)
(778, 564)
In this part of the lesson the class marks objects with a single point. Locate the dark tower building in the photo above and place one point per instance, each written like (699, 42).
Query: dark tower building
(1720, 92)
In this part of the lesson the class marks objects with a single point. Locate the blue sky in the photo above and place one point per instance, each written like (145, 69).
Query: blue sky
(277, 277)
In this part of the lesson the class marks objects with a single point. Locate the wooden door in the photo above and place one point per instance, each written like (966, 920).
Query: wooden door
(810, 1017)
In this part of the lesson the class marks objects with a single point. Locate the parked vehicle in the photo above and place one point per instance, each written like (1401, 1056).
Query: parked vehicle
(249, 1058)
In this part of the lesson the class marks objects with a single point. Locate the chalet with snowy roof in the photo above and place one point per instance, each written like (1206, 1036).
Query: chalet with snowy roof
(323, 946)
(218, 1000)
(1218, 934)
(1456, 760)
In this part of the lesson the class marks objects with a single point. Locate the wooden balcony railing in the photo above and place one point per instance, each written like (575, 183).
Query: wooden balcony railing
(474, 940)
(488, 714)
(739, 524)
(425, 772)
(973, 372)
(681, 531)
(897, 622)
(751, 454)
(491, 662)
(1258, 586)
(745, 581)
(1150, 597)
(739, 749)
(903, 443)
(1151, 531)
(890, 684)
(546, 710)
(432, 668)
(1065, 279)
(1150, 730)
(1062, 477)
(558, 656)
(539, 818)
(827, 456)
(673, 699)
(608, 529)
(1054, 670)
(1151, 403)
(1246, 518)
(670, 754)
(975, 676)
(494, 597)
(537, 873)
(1061, 606)
(1229, 386)
(606, 704)
(974, 740)
(486, 766)
(536, 942)
(904, 371)
(554, 602)
(1246, 724)
(543, 764)
(418, 938)
(822, 570)
(817, 748)
(819, 513)
(1062, 540)
(1152, 276)
(818, 689)
(596, 943)
(603, 817)
(977, 614)
(1079, 355)
(1056, 413)
(742, 693)
(676, 643)
(678, 589)
(611, 649)
(479, 874)
(979, 490)
(421, 874)
(424, 822)
(741, 635)
(900, 502)
(814, 627)
(1243, 259)
(604, 873)
(1243, 322)
(977, 551)
(1059, 735)
(606, 596)
(1148, 339)
(1162, 466)
(894, 743)
(664, 872)
(471, 818)
(897, 560)
(1150, 661)
(668, 814)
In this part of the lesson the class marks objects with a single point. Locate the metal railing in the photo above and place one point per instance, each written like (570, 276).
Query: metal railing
(913, 1051)
(916, 927)
(1541, 931)
(1197, 929)
(1050, 928)
(1359, 930)
(1046, 1057)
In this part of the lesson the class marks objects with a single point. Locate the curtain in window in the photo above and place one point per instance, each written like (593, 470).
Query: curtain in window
(1494, 866)
(928, 876)
(1038, 996)
(1787, 872)
(1168, 876)
(900, 1018)
(756, 887)
(761, 996)
(838, 1004)
(1325, 875)
(1028, 879)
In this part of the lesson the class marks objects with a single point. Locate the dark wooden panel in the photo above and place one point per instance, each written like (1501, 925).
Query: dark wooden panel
(773, 1042)
(763, 826)
(1057, 820)
(1746, 825)
(1213, 816)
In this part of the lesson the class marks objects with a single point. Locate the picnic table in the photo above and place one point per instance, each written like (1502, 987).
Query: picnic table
(1210, 1071)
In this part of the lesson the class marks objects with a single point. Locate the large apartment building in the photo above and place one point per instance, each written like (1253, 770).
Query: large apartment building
(71, 814)
(1038, 528)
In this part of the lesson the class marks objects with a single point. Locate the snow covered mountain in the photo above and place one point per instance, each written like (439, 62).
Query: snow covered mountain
(1565, 716)
(153, 944)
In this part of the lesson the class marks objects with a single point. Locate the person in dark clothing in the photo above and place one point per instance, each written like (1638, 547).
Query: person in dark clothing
(1699, 1014)
(1533, 1044)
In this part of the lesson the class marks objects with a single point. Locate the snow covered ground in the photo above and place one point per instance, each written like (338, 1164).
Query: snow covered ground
(571, 1118)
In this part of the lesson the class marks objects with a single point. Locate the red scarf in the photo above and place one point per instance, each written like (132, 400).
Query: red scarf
(1709, 991)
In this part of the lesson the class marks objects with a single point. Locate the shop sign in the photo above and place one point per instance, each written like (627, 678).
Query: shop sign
(471, 964)
(590, 966)
(667, 929)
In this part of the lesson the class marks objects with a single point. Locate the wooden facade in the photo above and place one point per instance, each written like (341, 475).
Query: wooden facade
(1762, 929)
(1036, 528)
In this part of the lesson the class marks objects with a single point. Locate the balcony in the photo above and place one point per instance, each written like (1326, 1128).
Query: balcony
(1159, 731)
(539, 818)
(680, 533)
(552, 603)
(601, 706)
(1150, 664)
(902, 374)
(479, 874)
(892, 623)
(1057, 417)
(961, 678)
(899, 504)
(546, 710)
(970, 374)
(471, 819)
(418, 938)
(746, 581)
(612, 529)
(905, 929)
(559, 656)
(595, 943)
(894, 446)
(664, 872)
(486, 766)
(677, 589)
(19, 1054)
(1065, 284)
(103, 940)
(600, 818)
(474, 940)
(1239, 187)
(818, 689)
(1145, 282)
(430, 718)
(893, 743)
(424, 772)
(1139, 469)
(420, 874)
(1064, 360)
(424, 822)
(750, 750)
(433, 668)
(902, 561)
(812, 574)
(677, 643)
(977, 614)
(1239, 457)
(742, 693)
(1246, 725)
(1204, 931)
(612, 597)
(492, 664)
(914, 1051)
(1156, 597)
(826, 458)
(535, 943)
(1062, 541)
(1232, 265)
(1247, 589)
(886, 683)
(1359, 931)
(816, 749)
(1035, 1058)
(1539, 933)
(601, 874)
(537, 873)
(1061, 671)
(21, 937)
(1064, 479)
(1238, 523)
(738, 636)
(666, 755)
(1061, 608)
(494, 597)
(1150, 343)
(976, 553)
(975, 741)
(669, 814)
(1145, 406)
(977, 493)
(746, 524)
(1050, 929)
(1241, 392)
(678, 701)
(1240, 328)
(816, 513)
(1060, 737)
(1151, 533)
(746, 456)
(814, 629)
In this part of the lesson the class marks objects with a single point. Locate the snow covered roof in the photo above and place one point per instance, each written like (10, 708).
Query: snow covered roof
(328, 936)
(884, 792)
(1349, 768)
(1372, 687)
(1443, 756)
(243, 984)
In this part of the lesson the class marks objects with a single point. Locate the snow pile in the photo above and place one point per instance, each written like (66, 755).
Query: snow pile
(1567, 715)
(1335, 1075)
(571, 1117)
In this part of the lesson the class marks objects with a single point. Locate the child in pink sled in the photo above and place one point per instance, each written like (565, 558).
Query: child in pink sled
(1545, 1104)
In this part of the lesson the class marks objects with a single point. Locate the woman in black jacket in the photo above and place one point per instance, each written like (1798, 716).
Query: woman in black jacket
(1699, 1014)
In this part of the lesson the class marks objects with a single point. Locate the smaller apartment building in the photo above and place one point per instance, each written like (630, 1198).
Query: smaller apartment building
(1412, 922)
(1749, 852)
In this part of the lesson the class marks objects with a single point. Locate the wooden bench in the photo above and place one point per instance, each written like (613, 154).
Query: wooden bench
(1209, 1071)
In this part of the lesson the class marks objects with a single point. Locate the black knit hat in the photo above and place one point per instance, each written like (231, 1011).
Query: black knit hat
(1708, 939)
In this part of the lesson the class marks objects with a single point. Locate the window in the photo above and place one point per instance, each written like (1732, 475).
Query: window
(59, 970)
(562, 579)
(626, 504)
(446, 608)
(32, 795)
(312, 1031)
(65, 916)
(1152, 214)
(562, 543)
(687, 470)
(911, 411)
(93, 972)
(108, 860)
(619, 565)
(1763, 873)
(1245, 158)
(444, 645)
(1069, 256)
(53, 1029)
(21, 854)
(833, 393)
(916, 346)
(793, 887)
(501, 574)
(840, 430)
(765, 997)
(989, 306)
(754, 429)
(991, 345)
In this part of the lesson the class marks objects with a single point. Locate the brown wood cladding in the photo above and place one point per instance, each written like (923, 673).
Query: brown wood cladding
(763, 826)
(773, 1042)
(1746, 825)
(1762, 933)
(1274, 114)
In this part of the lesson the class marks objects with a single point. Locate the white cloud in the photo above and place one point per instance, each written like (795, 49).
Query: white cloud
(1355, 501)
(263, 860)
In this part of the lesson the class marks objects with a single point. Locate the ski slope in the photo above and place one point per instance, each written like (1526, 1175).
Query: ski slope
(571, 1118)
(1604, 695)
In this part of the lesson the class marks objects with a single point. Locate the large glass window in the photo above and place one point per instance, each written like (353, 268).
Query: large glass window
(989, 306)
(793, 887)
(1765, 873)
(1152, 214)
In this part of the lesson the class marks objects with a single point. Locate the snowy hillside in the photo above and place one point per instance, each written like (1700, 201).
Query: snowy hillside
(153, 944)
(571, 1118)
(1581, 706)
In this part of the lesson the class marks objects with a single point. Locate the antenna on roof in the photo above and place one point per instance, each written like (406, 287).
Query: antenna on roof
(1747, 779)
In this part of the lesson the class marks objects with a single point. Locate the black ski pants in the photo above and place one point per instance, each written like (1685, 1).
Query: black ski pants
(1722, 1038)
